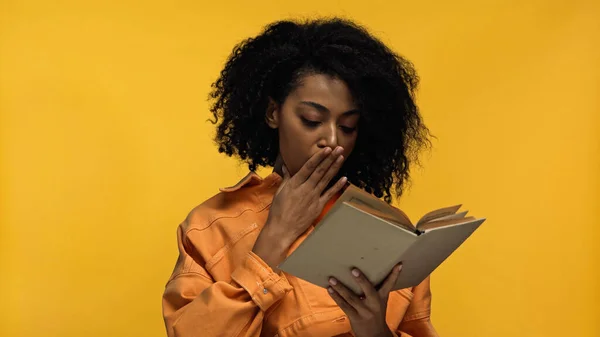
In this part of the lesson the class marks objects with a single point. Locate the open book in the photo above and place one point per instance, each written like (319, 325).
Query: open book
(365, 232)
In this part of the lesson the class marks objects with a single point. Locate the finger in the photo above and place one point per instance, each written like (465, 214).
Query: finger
(345, 306)
(324, 166)
(372, 298)
(390, 281)
(333, 190)
(330, 173)
(347, 294)
(311, 164)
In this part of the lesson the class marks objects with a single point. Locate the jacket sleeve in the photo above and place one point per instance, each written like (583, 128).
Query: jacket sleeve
(195, 305)
(417, 320)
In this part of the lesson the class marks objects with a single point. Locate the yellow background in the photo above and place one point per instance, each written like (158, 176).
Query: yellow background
(105, 148)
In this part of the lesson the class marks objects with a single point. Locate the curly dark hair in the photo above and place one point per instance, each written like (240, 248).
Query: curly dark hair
(382, 84)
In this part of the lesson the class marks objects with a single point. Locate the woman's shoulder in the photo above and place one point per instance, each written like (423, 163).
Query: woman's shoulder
(226, 217)
(251, 194)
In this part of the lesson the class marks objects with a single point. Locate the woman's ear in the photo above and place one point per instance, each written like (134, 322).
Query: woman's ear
(272, 114)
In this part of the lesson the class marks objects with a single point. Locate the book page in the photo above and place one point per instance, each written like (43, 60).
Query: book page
(353, 193)
(452, 216)
(435, 222)
(442, 223)
(438, 214)
(385, 216)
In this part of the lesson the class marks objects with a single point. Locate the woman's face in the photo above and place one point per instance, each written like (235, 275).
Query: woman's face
(319, 113)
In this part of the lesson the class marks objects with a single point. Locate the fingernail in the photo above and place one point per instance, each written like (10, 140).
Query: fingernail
(327, 150)
(355, 272)
(344, 180)
(339, 150)
(332, 281)
(330, 290)
(399, 268)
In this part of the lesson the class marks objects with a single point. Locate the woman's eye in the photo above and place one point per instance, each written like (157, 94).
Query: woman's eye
(309, 123)
(347, 129)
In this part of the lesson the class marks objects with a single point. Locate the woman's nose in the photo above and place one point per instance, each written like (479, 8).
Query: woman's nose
(329, 137)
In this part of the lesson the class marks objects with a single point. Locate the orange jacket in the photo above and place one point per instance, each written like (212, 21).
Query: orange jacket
(219, 287)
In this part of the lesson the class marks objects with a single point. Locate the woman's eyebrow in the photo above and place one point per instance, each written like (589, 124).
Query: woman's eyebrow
(323, 109)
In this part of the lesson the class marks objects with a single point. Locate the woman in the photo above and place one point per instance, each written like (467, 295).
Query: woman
(324, 103)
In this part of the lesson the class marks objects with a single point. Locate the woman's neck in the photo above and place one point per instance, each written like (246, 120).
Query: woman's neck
(278, 167)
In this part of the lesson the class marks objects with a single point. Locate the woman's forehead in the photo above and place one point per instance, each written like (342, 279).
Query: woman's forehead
(326, 90)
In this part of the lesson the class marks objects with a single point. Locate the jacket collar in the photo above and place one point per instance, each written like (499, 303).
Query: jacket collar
(252, 179)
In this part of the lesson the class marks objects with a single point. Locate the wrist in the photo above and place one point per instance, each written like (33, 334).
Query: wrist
(272, 246)
(276, 233)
